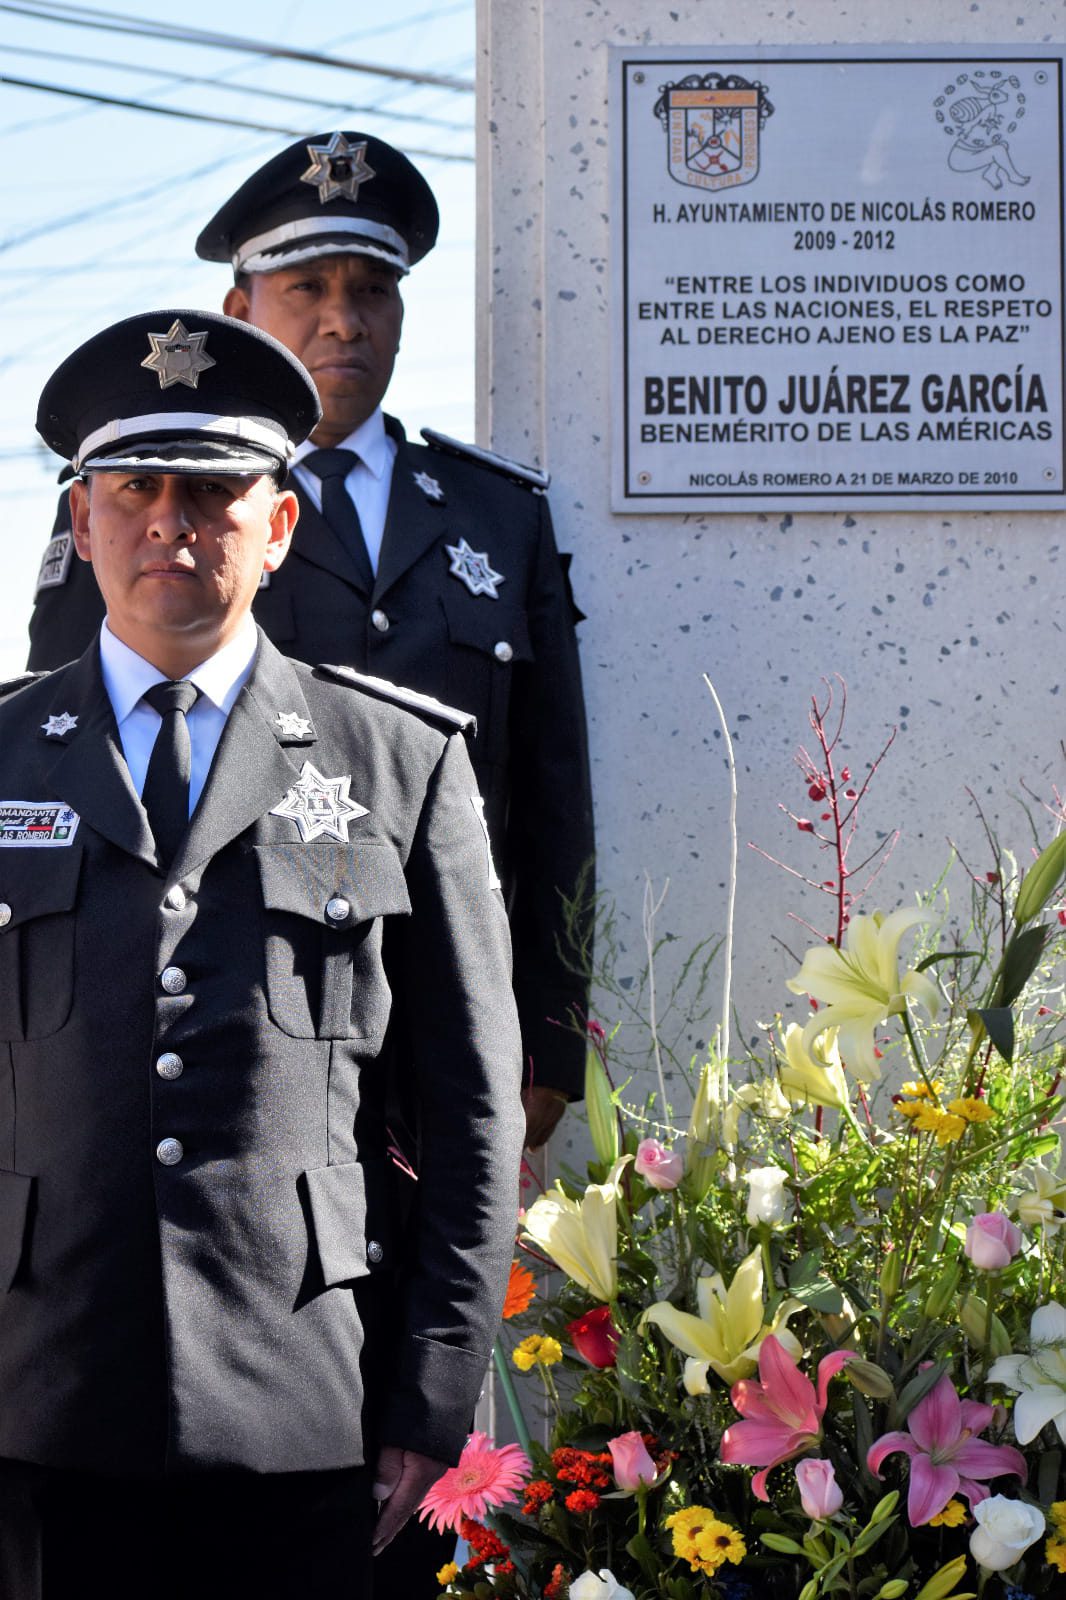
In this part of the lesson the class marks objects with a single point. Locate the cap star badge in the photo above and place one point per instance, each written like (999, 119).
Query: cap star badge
(472, 568)
(57, 726)
(178, 356)
(337, 169)
(293, 726)
(429, 486)
(320, 807)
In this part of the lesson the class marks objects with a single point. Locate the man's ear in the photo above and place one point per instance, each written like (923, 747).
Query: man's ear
(282, 522)
(79, 518)
(237, 304)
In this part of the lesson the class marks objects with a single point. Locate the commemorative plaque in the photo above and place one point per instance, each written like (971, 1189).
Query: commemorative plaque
(837, 278)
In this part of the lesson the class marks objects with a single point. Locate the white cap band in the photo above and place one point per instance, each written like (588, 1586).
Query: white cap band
(375, 239)
(185, 422)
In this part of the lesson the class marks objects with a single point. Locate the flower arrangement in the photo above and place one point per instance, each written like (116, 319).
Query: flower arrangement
(808, 1334)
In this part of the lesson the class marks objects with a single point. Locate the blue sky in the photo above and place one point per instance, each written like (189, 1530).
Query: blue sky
(102, 204)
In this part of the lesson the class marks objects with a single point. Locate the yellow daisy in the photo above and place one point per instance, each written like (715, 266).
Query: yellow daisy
(537, 1350)
(953, 1514)
(972, 1110)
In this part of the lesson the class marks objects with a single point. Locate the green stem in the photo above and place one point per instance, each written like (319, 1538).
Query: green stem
(986, 1354)
(507, 1385)
(916, 1050)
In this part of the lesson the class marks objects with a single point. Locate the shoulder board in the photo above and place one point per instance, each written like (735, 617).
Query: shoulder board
(13, 685)
(410, 699)
(516, 471)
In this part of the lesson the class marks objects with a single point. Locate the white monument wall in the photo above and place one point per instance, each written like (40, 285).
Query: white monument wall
(945, 624)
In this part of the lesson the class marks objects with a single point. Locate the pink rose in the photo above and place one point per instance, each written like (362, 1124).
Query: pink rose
(992, 1241)
(662, 1168)
(633, 1466)
(820, 1494)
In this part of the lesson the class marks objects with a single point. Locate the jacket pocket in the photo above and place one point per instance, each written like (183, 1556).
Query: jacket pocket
(38, 892)
(350, 1217)
(323, 908)
(488, 640)
(15, 1191)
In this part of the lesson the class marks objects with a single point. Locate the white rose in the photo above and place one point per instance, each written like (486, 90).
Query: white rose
(766, 1195)
(605, 1587)
(1006, 1528)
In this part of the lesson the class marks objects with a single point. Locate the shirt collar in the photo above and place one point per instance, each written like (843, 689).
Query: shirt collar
(220, 678)
(369, 441)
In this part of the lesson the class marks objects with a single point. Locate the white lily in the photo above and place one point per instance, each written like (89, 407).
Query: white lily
(581, 1236)
(1044, 1205)
(858, 986)
(813, 1077)
(730, 1327)
(1040, 1377)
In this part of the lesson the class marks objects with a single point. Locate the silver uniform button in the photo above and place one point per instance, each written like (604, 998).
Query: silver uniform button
(175, 898)
(169, 1152)
(338, 909)
(170, 1065)
(173, 980)
(380, 621)
(374, 1252)
(502, 651)
(5, 913)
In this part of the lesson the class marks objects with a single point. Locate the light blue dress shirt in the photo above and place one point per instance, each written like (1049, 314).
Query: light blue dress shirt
(219, 679)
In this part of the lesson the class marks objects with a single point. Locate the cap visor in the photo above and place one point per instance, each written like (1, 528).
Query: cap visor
(188, 456)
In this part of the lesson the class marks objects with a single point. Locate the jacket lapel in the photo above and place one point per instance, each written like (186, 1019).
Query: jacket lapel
(256, 762)
(316, 542)
(414, 523)
(89, 771)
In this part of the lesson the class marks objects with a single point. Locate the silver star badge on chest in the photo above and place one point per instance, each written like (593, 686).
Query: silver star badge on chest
(58, 725)
(337, 168)
(429, 486)
(293, 726)
(320, 807)
(472, 568)
(178, 356)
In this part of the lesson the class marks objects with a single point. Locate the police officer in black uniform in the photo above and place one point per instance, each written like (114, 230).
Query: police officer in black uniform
(433, 565)
(236, 894)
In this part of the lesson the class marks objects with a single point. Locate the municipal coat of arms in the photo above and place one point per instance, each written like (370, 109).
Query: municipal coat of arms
(712, 127)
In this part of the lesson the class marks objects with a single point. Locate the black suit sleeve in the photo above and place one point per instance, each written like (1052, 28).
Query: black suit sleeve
(549, 826)
(68, 607)
(464, 1054)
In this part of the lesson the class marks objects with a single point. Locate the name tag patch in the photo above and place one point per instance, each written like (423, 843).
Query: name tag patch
(55, 563)
(39, 825)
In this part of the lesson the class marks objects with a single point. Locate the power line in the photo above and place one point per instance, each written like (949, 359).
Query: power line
(237, 88)
(117, 22)
(192, 116)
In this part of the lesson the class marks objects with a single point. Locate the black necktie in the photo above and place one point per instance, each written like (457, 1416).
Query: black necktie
(166, 785)
(331, 467)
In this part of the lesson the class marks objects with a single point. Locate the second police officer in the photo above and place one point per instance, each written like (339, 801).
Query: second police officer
(432, 565)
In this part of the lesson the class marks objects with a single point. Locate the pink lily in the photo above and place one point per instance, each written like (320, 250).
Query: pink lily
(946, 1456)
(782, 1411)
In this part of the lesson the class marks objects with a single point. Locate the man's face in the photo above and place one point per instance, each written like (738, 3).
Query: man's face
(178, 557)
(341, 316)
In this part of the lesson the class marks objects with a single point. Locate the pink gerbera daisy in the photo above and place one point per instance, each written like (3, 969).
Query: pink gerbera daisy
(485, 1477)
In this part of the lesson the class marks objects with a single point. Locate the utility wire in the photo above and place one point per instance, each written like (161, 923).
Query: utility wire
(194, 116)
(237, 88)
(90, 17)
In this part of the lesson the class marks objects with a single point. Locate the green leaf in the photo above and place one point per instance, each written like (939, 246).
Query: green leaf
(643, 1554)
(945, 955)
(998, 1023)
(1020, 961)
(809, 1284)
(917, 1389)
(1041, 881)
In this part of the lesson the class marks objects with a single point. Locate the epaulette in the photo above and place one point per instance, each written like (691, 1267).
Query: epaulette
(465, 721)
(13, 685)
(516, 471)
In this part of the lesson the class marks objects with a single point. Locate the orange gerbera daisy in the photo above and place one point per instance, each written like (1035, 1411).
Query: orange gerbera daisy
(520, 1290)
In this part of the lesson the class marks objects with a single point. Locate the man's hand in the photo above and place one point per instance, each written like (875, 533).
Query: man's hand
(401, 1478)
(544, 1108)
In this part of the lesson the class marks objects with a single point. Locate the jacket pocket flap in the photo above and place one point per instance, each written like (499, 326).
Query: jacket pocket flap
(15, 1190)
(37, 882)
(487, 625)
(305, 879)
(349, 1215)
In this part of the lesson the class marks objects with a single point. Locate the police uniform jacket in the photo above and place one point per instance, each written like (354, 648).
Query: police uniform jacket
(194, 1201)
(511, 660)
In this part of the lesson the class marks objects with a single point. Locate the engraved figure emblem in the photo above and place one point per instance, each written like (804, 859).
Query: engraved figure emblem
(713, 125)
(177, 356)
(337, 169)
(979, 110)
